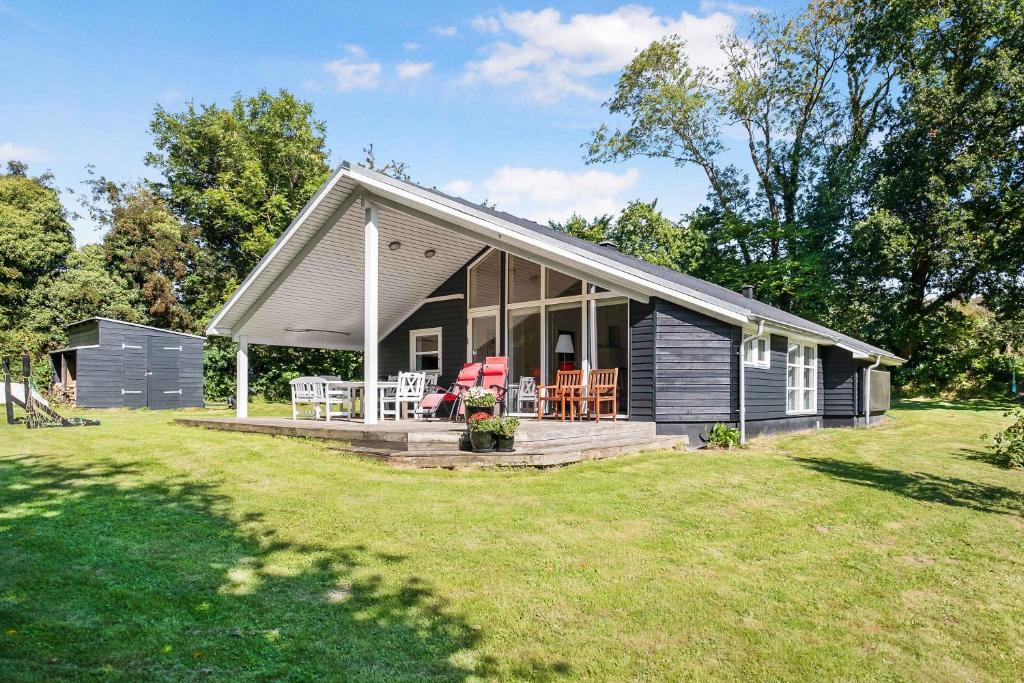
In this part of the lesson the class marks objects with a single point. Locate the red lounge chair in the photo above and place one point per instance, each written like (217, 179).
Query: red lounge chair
(469, 376)
(495, 378)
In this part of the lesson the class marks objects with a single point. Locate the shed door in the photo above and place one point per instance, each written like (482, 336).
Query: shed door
(133, 386)
(164, 373)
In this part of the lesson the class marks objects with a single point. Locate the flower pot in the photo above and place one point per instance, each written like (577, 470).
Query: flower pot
(506, 444)
(481, 409)
(483, 442)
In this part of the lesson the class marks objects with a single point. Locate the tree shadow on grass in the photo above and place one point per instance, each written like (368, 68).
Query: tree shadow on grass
(104, 575)
(921, 486)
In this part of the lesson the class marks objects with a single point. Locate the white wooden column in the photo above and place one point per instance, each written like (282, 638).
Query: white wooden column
(242, 379)
(371, 271)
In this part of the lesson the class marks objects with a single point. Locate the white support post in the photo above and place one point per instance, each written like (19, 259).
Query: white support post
(242, 379)
(371, 269)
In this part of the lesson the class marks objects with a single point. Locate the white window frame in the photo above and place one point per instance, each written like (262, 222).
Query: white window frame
(800, 367)
(413, 354)
(758, 361)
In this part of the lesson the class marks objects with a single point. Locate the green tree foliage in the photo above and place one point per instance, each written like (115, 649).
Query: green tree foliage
(946, 203)
(240, 175)
(35, 238)
(641, 230)
(147, 246)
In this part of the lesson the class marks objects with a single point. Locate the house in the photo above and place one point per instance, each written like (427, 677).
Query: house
(418, 279)
(114, 364)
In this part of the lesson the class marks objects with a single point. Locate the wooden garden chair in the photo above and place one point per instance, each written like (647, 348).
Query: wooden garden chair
(603, 389)
(567, 387)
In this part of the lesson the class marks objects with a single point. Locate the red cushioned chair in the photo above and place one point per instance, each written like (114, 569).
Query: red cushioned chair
(494, 378)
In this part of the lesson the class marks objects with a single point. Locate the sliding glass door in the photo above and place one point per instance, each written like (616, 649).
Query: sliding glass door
(524, 343)
(611, 342)
(564, 343)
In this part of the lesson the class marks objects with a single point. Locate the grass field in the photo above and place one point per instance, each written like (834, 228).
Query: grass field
(141, 550)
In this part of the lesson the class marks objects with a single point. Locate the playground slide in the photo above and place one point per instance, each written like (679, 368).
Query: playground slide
(18, 394)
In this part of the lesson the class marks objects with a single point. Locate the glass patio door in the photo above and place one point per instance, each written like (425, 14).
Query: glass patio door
(611, 343)
(524, 344)
(564, 343)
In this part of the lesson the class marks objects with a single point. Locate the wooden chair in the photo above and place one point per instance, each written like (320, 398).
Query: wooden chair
(567, 387)
(527, 393)
(603, 388)
(310, 391)
(409, 392)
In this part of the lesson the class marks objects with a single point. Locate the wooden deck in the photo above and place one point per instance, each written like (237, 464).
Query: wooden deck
(436, 444)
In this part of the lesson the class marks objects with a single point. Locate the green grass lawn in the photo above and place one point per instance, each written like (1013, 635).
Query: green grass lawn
(141, 550)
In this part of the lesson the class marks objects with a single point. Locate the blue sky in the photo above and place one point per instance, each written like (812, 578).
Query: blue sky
(486, 101)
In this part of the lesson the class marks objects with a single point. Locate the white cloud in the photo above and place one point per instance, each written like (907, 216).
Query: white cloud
(544, 194)
(355, 51)
(486, 24)
(348, 75)
(410, 45)
(459, 188)
(24, 153)
(411, 70)
(553, 57)
(445, 31)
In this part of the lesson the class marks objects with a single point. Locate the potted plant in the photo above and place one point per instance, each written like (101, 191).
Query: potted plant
(482, 429)
(506, 433)
(480, 400)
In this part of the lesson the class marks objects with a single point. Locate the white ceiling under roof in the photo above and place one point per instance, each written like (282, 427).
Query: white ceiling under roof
(324, 291)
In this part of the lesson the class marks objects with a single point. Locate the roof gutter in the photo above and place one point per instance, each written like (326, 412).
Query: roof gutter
(743, 380)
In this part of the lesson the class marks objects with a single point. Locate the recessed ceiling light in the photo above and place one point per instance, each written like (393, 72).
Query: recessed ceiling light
(429, 253)
(395, 246)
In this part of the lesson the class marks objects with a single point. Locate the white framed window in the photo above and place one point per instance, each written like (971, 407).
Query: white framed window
(801, 378)
(484, 276)
(757, 352)
(425, 350)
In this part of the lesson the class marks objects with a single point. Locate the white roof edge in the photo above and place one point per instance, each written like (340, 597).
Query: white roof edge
(125, 322)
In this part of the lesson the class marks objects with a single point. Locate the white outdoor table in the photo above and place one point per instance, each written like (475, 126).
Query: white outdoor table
(358, 388)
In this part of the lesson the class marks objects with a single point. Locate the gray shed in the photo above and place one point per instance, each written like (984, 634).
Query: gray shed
(113, 364)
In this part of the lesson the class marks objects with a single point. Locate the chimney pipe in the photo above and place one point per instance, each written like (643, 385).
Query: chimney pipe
(748, 291)
(608, 244)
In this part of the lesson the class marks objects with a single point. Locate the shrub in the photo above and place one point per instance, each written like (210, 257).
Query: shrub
(721, 435)
(483, 422)
(507, 425)
(479, 397)
(1008, 445)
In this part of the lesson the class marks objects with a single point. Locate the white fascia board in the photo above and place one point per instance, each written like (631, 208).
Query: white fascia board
(530, 243)
(285, 237)
(297, 340)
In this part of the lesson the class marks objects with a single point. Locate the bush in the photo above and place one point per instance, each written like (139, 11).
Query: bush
(483, 422)
(721, 435)
(1008, 445)
(507, 425)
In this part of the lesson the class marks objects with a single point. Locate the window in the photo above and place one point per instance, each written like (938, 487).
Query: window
(560, 284)
(523, 280)
(425, 350)
(757, 352)
(483, 280)
(801, 379)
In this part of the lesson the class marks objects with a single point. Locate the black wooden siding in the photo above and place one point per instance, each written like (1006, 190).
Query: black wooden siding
(449, 315)
(841, 382)
(696, 367)
(103, 372)
(766, 387)
(641, 361)
(84, 334)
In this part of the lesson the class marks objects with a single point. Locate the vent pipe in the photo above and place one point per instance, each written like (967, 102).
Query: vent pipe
(748, 291)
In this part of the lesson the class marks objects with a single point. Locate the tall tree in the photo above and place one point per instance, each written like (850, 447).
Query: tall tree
(792, 86)
(147, 246)
(946, 219)
(35, 238)
(240, 175)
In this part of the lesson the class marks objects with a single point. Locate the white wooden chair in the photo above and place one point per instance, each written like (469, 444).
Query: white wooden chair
(308, 391)
(410, 390)
(339, 402)
(526, 393)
